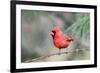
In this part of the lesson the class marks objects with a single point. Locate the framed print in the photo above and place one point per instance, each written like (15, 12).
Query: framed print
(52, 36)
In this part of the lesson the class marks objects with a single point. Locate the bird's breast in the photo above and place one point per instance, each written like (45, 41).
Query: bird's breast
(60, 43)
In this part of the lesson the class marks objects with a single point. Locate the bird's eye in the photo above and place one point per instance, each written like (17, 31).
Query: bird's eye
(54, 32)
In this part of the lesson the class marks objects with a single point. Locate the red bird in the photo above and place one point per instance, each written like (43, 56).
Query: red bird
(59, 39)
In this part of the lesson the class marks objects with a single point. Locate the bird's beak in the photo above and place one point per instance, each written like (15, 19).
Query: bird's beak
(51, 33)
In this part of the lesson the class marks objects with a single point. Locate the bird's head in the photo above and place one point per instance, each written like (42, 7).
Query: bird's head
(54, 31)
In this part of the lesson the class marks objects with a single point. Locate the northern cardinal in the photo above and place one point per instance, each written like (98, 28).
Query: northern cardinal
(59, 39)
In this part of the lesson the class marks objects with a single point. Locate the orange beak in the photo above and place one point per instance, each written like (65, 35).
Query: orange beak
(51, 33)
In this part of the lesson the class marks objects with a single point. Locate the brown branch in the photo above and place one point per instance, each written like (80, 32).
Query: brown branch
(49, 55)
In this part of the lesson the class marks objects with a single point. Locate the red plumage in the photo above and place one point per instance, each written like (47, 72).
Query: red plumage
(59, 39)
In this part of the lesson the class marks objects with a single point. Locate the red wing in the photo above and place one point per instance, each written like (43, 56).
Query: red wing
(68, 38)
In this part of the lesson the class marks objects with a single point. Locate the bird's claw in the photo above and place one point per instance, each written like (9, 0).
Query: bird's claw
(59, 53)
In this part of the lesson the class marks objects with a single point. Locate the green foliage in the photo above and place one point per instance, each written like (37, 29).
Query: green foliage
(81, 28)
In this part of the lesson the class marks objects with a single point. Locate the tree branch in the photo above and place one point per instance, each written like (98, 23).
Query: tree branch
(49, 55)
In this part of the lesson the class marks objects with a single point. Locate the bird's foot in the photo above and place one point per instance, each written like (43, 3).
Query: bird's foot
(59, 53)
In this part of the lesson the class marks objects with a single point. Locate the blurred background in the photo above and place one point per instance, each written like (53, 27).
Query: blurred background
(36, 40)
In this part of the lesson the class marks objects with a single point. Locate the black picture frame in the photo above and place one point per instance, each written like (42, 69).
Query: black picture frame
(13, 35)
